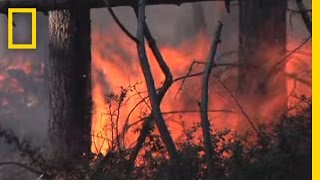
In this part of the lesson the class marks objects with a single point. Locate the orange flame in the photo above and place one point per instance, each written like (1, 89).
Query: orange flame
(115, 64)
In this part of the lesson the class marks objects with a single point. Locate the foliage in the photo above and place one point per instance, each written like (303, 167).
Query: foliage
(281, 150)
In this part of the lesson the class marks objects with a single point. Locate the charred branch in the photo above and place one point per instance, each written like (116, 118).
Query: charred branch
(284, 60)
(197, 111)
(161, 62)
(50, 5)
(191, 75)
(305, 16)
(148, 125)
(299, 79)
(116, 19)
(240, 107)
(154, 99)
(187, 75)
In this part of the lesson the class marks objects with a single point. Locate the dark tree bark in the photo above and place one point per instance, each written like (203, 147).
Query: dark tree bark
(262, 42)
(70, 83)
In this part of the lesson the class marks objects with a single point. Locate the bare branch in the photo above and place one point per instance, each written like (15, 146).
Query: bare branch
(298, 11)
(148, 125)
(196, 111)
(163, 65)
(205, 124)
(138, 121)
(49, 5)
(281, 62)
(125, 127)
(239, 105)
(116, 19)
(154, 99)
(301, 80)
(189, 75)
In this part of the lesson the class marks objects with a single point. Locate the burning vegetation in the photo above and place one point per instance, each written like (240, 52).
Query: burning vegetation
(135, 109)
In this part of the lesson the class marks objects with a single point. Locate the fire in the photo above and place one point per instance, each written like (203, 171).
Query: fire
(115, 65)
(298, 69)
(115, 68)
(13, 70)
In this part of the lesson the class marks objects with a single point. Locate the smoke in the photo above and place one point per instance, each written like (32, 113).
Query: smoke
(170, 25)
(32, 120)
(23, 93)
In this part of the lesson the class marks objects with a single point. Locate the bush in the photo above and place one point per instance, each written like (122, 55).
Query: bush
(280, 151)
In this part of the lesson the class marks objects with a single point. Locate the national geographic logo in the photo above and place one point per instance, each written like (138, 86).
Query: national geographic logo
(33, 12)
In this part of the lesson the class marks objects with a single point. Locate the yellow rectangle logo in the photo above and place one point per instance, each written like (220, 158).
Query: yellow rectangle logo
(33, 12)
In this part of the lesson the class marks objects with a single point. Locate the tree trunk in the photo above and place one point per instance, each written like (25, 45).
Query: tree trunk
(262, 41)
(205, 123)
(70, 83)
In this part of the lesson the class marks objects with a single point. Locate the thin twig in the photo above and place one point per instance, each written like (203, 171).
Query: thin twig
(188, 76)
(196, 111)
(281, 62)
(125, 127)
(201, 73)
(299, 11)
(143, 98)
(184, 79)
(239, 105)
(301, 80)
